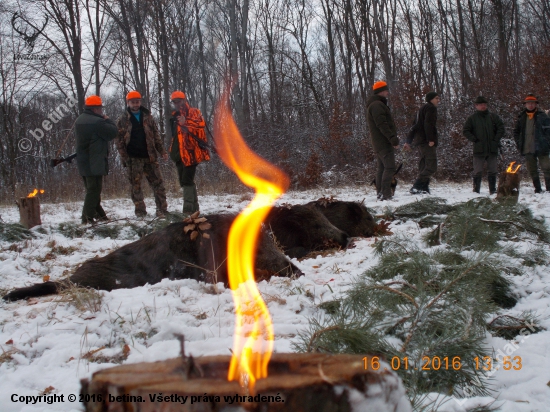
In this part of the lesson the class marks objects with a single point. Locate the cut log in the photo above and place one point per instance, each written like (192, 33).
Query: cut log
(29, 211)
(305, 382)
(508, 187)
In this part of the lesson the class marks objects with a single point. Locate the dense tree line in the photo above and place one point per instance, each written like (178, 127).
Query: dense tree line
(303, 71)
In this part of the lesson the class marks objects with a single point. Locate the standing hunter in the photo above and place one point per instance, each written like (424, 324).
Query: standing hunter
(189, 147)
(138, 143)
(424, 136)
(485, 130)
(384, 139)
(94, 131)
(532, 136)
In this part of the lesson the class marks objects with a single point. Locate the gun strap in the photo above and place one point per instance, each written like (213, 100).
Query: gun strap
(202, 143)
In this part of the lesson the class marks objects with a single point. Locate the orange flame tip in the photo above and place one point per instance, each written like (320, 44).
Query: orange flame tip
(35, 192)
(510, 166)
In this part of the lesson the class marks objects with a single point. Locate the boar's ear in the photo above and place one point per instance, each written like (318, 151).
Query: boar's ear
(362, 202)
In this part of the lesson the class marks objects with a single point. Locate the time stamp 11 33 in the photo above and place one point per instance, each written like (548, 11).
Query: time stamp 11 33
(431, 363)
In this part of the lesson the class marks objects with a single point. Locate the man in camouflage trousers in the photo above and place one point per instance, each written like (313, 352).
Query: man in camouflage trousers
(138, 143)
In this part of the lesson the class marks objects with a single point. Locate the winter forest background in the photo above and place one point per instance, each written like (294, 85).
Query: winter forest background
(305, 69)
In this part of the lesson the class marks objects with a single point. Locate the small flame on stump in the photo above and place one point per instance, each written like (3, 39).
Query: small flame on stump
(510, 168)
(253, 339)
(35, 192)
(508, 184)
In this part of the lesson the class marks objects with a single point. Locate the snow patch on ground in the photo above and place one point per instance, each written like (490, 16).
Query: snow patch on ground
(48, 342)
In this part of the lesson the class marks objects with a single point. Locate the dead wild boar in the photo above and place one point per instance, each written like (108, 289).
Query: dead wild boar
(351, 217)
(167, 253)
(300, 229)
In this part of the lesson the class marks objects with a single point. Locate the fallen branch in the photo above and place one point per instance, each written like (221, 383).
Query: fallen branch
(508, 222)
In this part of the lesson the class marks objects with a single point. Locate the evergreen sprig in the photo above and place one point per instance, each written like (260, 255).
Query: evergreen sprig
(14, 232)
(480, 224)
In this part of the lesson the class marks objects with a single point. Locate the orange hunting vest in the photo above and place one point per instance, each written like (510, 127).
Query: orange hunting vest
(190, 151)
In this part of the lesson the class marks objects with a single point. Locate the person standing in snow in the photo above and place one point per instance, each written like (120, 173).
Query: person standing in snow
(189, 147)
(384, 138)
(138, 143)
(532, 136)
(485, 130)
(424, 136)
(94, 131)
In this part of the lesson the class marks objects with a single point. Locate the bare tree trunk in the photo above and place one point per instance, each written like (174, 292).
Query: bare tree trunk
(237, 94)
(501, 32)
(202, 60)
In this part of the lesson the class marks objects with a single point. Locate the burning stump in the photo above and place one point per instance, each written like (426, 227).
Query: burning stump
(508, 184)
(29, 211)
(296, 382)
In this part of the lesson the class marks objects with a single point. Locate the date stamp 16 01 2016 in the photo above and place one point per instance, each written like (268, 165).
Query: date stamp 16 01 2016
(431, 363)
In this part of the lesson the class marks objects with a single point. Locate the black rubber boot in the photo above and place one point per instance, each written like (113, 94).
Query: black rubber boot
(477, 184)
(190, 200)
(492, 184)
(427, 186)
(536, 183)
(417, 188)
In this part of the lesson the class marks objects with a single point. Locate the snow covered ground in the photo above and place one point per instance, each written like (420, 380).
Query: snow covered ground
(48, 342)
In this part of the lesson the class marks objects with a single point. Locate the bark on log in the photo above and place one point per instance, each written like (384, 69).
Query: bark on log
(508, 187)
(296, 382)
(29, 211)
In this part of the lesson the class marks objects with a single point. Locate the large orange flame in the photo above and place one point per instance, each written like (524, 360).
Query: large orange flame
(510, 170)
(35, 192)
(253, 339)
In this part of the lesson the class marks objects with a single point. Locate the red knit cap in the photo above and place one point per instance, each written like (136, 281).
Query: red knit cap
(93, 101)
(380, 86)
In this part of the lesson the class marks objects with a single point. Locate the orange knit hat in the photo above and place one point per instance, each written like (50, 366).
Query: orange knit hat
(178, 94)
(134, 94)
(93, 101)
(380, 86)
(531, 98)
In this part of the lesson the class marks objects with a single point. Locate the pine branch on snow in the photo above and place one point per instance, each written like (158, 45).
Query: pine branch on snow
(480, 224)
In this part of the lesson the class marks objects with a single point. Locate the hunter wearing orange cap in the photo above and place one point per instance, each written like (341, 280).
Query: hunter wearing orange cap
(94, 131)
(383, 137)
(532, 136)
(188, 148)
(138, 143)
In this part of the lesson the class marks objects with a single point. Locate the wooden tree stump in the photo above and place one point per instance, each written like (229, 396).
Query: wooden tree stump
(508, 187)
(29, 211)
(305, 382)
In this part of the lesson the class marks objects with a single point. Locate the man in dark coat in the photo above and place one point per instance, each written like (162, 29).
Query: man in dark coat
(424, 136)
(384, 139)
(138, 143)
(532, 136)
(94, 131)
(485, 130)
(188, 148)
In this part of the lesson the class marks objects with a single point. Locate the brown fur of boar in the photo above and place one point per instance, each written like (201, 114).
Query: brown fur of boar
(300, 229)
(166, 253)
(351, 217)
